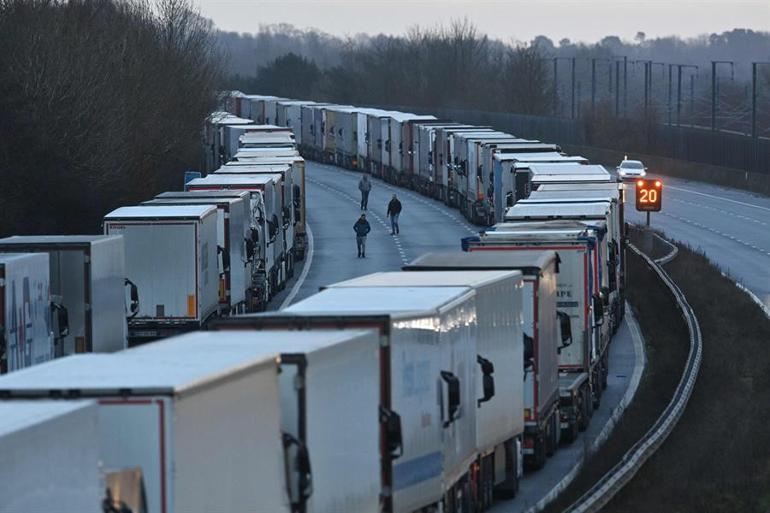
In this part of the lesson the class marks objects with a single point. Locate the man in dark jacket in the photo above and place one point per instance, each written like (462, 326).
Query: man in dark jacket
(361, 228)
(365, 186)
(394, 209)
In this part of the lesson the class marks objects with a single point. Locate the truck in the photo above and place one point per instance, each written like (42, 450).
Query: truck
(583, 365)
(199, 416)
(214, 137)
(288, 113)
(233, 231)
(427, 394)
(336, 423)
(500, 372)
(235, 135)
(428, 170)
(412, 150)
(473, 193)
(542, 327)
(25, 311)
(266, 217)
(256, 278)
(590, 213)
(171, 256)
(87, 277)
(306, 138)
(284, 201)
(444, 164)
(297, 164)
(591, 191)
(377, 134)
(398, 142)
(50, 456)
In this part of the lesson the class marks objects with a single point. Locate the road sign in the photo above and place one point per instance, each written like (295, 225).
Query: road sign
(649, 195)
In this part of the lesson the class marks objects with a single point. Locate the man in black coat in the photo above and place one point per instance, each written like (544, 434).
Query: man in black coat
(362, 228)
(394, 209)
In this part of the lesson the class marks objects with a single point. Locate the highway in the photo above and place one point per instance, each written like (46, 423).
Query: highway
(427, 225)
(731, 226)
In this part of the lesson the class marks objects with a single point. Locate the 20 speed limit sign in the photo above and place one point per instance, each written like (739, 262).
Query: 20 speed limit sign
(649, 195)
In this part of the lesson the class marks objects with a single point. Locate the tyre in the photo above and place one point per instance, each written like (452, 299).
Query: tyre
(586, 408)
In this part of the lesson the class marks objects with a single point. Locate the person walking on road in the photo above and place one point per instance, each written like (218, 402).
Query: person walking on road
(361, 228)
(364, 185)
(394, 209)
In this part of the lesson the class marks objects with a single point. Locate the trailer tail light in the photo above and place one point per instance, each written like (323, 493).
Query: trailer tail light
(527, 414)
(529, 442)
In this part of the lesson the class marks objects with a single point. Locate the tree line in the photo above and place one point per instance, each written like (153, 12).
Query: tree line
(101, 105)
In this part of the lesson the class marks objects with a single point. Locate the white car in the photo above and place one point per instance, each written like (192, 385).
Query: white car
(631, 169)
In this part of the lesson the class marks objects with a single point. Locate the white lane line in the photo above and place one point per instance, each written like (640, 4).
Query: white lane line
(717, 197)
(714, 230)
(305, 269)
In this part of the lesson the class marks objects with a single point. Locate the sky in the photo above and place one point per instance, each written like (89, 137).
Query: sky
(520, 20)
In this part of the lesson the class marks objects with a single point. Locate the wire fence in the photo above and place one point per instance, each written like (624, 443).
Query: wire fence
(695, 144)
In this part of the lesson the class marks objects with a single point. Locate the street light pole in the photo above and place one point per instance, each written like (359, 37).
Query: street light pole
(714, 98)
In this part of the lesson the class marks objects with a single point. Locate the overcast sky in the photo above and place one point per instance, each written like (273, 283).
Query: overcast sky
(579, 20)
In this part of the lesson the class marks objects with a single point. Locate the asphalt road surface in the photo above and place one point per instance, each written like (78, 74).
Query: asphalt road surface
(731, 226)
(333, 202)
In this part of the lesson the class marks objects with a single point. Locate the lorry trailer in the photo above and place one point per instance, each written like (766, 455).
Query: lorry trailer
(88, 278)
(171, 256)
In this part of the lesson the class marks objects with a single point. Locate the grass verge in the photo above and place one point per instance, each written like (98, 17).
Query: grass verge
(666, 344)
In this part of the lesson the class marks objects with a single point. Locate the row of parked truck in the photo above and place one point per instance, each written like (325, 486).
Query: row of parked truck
(224, 245)
(432, 388)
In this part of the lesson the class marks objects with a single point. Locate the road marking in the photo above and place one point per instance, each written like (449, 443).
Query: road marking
(717, 197)
(305, 269)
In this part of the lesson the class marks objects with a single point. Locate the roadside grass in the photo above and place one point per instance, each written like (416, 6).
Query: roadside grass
(718, 457)
(666, 345)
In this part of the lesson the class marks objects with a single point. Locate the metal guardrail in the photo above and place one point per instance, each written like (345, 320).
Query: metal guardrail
(619, 475)
(674, 251)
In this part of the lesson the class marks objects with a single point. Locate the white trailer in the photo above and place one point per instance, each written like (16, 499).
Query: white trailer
(50, 457)
(198, 415)
(307, 135)
(235, 134)
(171, 256)
(499, 376)
(297, 194)
(264, 203)
(265, 152)
(25, 311)
(428, 443)
(444, 163)
(233, 231)
(590, 214)
(214, 136)
(288, 113)
(338, 424)
(541, 387)
(284, 201)
(428, 168)
(87, 278)
(583, 363)
(399, 145)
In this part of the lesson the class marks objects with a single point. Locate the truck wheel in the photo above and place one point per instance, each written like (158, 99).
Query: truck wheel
(586, 409)
(553, 434)
(510, 485)
(539, 449)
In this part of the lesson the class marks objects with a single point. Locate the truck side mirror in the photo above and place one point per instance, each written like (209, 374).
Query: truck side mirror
(598, 306)
(565, 328)
(133, 307)
(509, 199)
(225, 255)
(298, 472)
(529, 351)
(453, 396)
(62, 320)
(488, 381)
(391, 421)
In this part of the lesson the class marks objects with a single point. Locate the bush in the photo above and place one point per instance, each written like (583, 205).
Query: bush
(101, 105)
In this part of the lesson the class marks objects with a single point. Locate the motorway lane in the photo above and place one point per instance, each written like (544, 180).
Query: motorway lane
(428, 225)
(731, 226)
(333, 202)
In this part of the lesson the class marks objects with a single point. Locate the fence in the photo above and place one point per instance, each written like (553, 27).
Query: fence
(700, 145)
